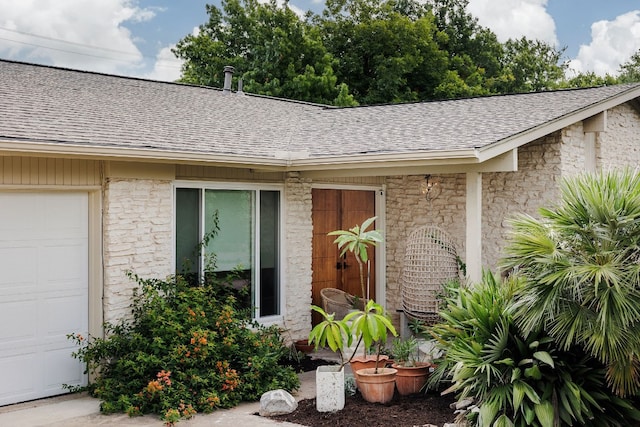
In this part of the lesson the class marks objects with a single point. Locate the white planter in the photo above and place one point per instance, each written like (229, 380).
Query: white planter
(329, 388)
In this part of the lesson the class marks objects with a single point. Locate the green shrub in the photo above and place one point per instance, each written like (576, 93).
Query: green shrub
(187, 349)
(581, 264)
(517, 379)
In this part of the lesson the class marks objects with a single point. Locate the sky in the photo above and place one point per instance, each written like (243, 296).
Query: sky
(135, 37)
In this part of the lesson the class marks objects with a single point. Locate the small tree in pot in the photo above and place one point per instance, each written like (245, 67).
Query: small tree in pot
(358, 240)
(371, 326)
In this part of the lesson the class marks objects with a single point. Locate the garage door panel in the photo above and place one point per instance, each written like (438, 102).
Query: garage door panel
(18, 385)
(66, 263)
(20, 259)
(15, 326)
(61, 369)
(43, 292)
(63, 314)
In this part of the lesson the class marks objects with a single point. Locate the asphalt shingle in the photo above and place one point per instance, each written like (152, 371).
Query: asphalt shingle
(61, 106)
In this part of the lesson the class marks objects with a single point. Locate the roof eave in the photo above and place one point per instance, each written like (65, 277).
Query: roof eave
(494, 149)
(28, 148)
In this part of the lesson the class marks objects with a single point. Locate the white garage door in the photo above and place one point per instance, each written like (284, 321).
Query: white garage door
(43, 292)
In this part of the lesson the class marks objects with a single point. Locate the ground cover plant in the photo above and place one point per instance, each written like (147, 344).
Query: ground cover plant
(186, 349)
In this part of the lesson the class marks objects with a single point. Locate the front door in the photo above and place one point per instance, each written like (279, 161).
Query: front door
(339, 210)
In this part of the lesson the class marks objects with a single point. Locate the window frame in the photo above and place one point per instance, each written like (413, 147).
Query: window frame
(256, 188)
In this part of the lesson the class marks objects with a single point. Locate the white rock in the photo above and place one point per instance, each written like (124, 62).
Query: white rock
(277, 402)
(464, 403)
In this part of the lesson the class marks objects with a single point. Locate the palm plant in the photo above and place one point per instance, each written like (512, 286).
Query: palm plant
(357, 240)
(517, 379)
(581, 263)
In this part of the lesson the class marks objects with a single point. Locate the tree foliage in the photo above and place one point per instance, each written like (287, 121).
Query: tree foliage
(630, 70)
(277, 53)
(371, 52)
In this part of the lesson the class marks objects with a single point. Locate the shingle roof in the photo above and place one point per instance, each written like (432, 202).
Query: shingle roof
(67, 107)
(445, 125)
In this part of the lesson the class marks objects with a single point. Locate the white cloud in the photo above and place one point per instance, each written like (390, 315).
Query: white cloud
(88, 35)
(515, 19)
(167, 66)
(612, 44)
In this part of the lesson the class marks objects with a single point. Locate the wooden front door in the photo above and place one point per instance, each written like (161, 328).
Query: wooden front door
(338, 210)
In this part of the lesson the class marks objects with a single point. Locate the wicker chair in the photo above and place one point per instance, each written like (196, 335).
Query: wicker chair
(339, 302)
(430, 261)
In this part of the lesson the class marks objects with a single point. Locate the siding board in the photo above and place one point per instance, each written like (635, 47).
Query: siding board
(41, 171)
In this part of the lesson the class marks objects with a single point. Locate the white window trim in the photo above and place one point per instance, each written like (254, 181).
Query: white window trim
(219, 185)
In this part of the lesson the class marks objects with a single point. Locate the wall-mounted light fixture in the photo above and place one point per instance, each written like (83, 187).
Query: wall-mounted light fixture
(430, 188)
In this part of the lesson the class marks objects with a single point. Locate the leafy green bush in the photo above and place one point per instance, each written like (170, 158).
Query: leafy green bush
(517, 379)
(581, 264)
(187, 349)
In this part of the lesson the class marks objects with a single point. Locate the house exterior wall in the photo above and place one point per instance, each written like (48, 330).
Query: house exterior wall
(620, 144)
(505, 194)
(137, 237)
(407, 209)
(297, 270)
(41, 171)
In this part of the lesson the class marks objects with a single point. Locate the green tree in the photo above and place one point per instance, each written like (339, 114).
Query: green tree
(530, 65)
(630, 70)
(582, 270)
(386, 49)
(276, 52)
(590, 79)
(473, 51)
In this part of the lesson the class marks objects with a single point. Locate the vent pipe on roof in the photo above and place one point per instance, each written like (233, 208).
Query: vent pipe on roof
(228, 74)
(240, 92)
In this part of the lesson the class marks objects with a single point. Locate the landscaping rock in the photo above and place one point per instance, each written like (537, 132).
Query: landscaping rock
(277, 402)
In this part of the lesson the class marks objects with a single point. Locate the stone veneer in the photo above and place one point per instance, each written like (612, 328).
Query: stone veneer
(619, 146)
(297, 274)
(137, 227)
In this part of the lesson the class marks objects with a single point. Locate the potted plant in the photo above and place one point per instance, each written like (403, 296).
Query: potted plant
(412, 372)
(358, 240)
(335, 334)
(371, 326)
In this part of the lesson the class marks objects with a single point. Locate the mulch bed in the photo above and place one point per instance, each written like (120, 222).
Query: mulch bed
(403, 411)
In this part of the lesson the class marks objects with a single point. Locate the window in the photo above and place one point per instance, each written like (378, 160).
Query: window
(248, 239)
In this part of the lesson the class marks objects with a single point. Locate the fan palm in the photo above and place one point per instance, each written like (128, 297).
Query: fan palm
(581, 261)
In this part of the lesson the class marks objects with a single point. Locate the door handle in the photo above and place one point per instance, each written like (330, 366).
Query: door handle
(341, 265)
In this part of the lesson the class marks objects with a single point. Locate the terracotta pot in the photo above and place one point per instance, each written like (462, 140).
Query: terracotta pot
(377, 388)
(369, 361)
(303, 346)
(365, 362)
(411, 379)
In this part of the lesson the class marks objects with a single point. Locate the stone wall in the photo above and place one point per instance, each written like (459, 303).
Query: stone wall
(620, 144)
(505, 194)
(407, 209)
(297, 274)
(137, 227)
